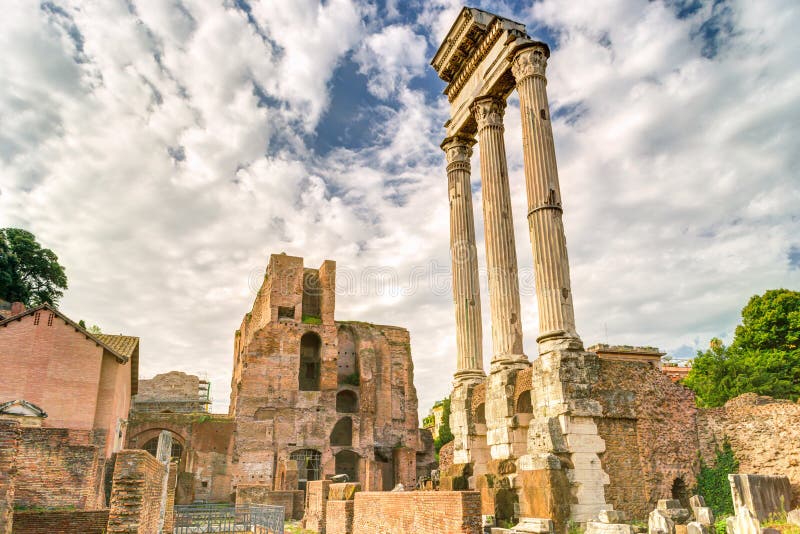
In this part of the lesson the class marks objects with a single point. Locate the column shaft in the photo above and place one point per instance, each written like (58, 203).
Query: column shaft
(501, 255)
(464, 258)
(553, 292)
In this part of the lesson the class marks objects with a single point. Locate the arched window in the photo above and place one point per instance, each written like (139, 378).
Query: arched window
(151, 446)
(310, 362)
(347, 464)
(346, 402)
(308, 465)
(342, 434)
(524, 402)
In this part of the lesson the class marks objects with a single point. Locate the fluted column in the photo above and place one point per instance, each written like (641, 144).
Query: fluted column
(501, 255)
(553, 292)
(464, 258)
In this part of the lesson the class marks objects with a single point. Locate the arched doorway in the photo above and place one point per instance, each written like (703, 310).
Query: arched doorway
(347, 370)
(310, 362)
(347, 464)
(151, 446)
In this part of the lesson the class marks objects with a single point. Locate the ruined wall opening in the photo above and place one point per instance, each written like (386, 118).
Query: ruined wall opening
(151, 446)
(347, 361)
(346, 401)
(347, 464)
(680, 492)
(312, 295)
(480, 414)
(524, 403)
(310, 362)
(342, 434)
(308, 466)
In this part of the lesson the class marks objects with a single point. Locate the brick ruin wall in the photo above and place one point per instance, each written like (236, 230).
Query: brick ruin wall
(316, 505)
(443, 512)
(763, 432)
(9, 441)
(57, 467)
(292, 501)
(136, 493)
(649, 427)
(85, 522)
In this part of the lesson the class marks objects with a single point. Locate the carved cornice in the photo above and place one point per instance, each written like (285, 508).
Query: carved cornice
(530, 61)
(458, 150)
(488, 112)
(493, 33)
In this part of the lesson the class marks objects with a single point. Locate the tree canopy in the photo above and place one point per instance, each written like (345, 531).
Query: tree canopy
(764, 357)
(29, 273)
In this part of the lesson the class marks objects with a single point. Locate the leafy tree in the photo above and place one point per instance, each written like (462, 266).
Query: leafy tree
(445, 434)
(29, 273)
(763, 358)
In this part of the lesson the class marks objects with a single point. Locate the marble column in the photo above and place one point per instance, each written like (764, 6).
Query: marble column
(553, 292)
(464, 258)
(501, 255)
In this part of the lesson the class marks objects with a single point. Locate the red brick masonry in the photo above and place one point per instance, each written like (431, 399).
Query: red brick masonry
(91, 522)
(418, 512)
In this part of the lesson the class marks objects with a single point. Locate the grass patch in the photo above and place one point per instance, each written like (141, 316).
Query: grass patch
(311, 319)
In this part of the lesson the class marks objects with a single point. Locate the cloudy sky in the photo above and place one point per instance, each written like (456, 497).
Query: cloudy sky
(164, 149)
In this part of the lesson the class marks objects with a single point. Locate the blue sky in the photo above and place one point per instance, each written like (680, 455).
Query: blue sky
(165, 148)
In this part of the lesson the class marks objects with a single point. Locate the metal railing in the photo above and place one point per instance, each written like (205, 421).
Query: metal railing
(196, 518)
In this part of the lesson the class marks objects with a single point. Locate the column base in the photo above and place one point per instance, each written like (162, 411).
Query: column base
(509, 362)
(468, 376)
(559, 340)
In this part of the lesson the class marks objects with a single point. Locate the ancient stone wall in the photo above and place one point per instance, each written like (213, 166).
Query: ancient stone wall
(136, 494)
(174, 391)
(763, 433)
(9, 441)
(49, 522)
(296, 391)
(316, 505)
(57, 467)
(339, 517)
(207, 441)
(649, 427)
(264, 495)
(443, 512)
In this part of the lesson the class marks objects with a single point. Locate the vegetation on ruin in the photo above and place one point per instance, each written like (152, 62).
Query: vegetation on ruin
(29, 273)
(428, 421)
(778, 522)
(352, 379)
(713, 484)
(311, 319)
(764, 357)
(445, 434)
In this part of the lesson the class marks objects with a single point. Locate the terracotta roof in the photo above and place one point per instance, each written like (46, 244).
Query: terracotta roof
(124, 345)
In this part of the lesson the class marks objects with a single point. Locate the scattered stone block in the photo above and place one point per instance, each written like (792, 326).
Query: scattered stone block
(658, 522)
(672, 509)
(695, 527)
(498, 530)
(344, 491)
(535, 525)
(793, 517)
(704, 515)
(611, 516)
(696, 501)
(596, 527)
(770, 531)
(763, 495)
(744, 522)
(668, 504)
(681, 529)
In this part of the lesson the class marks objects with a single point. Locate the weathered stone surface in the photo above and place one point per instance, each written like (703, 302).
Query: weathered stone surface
(763, 495)
(793, 517)
(695, 527)
(344, 491)
(596, 527)
(744, 522)
(696, 501)
(611, 516)
(660, 523)
(536, 525)
(704, 515)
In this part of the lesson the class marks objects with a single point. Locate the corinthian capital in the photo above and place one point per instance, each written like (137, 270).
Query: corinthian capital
(530, 61)
(458, 148)
(488, 111)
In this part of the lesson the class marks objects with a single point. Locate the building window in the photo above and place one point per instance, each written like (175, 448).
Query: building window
(285, 312)
(308, 465)
(346, 402)
(310, 362)
(152, 447)
(346, 463)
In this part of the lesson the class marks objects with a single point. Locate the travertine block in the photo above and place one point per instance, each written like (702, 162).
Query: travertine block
(596, 527)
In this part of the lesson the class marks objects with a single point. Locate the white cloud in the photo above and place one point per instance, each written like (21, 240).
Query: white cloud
(163, 155)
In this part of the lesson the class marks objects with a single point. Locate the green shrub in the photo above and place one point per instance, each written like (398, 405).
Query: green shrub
(352, 379)
(445, 434)
(713, 484)
(720, 525)
(311, 319)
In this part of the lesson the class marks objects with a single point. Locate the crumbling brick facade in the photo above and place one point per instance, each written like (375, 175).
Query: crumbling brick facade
(9, 441)
(336, 397)
(49, 522)
(443, 512)
(136, 495)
